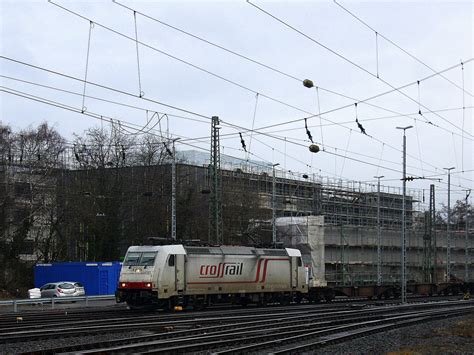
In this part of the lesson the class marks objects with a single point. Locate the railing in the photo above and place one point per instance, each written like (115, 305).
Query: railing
(54, 300)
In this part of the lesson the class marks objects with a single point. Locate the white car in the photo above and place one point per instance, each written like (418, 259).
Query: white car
(62, 289)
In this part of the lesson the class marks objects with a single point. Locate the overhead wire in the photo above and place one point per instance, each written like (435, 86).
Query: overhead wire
(200, 68)
(206, 117)
(399, 47)
(182, 60)
(99, 98)
(141, 93)
(364, 100)
(103, 117)
(245, 129)
(180, 109)
(91, 26)
(350, 62)
(200, 38)
(102, 86)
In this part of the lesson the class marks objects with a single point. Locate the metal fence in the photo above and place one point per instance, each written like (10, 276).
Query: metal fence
(85, 300)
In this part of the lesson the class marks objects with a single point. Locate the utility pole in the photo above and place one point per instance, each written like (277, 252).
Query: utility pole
(403, 239)
(427, 248)
(379, 236)
(215, 212)
(173, 192)
(273, 205)
(434, 277)
(448, 232)
(466, 241)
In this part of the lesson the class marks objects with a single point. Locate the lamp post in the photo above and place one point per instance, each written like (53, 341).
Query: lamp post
(448, 235)
(273, 206)
(379, 237)
(403, 239)
(173, 191)
(466, 241)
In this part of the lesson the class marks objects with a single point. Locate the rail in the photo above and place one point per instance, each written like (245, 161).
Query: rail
(54, 301)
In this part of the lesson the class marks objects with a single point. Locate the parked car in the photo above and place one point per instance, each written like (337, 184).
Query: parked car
(62, 289)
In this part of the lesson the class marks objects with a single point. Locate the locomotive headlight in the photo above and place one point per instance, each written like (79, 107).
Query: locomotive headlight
(148, 285)
(123, 284)
(138, 270)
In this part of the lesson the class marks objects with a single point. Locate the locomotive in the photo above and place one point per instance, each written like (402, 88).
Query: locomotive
(171, 276)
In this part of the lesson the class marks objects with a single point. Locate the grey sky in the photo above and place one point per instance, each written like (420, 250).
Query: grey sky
(439, 33)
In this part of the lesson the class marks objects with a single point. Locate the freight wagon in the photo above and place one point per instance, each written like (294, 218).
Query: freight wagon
(176, 275)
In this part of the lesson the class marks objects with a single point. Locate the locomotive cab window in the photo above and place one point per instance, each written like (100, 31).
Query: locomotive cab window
(171, 260)
(131, 259)
(140, 259)
(148, 259)
(300, 262)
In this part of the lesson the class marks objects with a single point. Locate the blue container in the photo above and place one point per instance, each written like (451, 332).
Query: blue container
(98, 278)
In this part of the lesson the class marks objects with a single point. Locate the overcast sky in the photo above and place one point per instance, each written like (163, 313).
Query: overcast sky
(440, 34)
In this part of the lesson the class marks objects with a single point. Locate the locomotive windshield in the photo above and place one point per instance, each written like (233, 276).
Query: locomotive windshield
(140, 259)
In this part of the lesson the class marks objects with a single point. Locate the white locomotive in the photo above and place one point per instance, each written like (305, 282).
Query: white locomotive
(175, 275)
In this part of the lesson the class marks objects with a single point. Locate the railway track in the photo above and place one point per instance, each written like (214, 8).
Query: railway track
(113, 322)
(260, 329)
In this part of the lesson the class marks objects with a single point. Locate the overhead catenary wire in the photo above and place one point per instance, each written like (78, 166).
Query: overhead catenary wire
(91, 26)
(364, 100)
(100, 99)
(253, 121)
(328, 152)
(109, 119)
(200, 38)
(349, 61)
(235, 53)
(345, 154)
(103, 117)
(399, 47)
(205, 70)
(377, 51)
(81, 80)
(319, 114)
(102, 86)
(409, 115)
(419, 148)
(141, 93)
(183, 110)
(207, 137)
(299, 142)
(379, 118)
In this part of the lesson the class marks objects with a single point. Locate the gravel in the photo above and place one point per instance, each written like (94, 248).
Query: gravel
(38, 345)
(450, 336)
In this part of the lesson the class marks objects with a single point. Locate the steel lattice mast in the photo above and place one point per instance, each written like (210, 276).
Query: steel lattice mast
(215, 182)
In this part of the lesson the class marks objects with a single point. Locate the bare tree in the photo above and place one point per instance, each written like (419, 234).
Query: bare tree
(102, 148)
(152, 150)
(30, 161)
